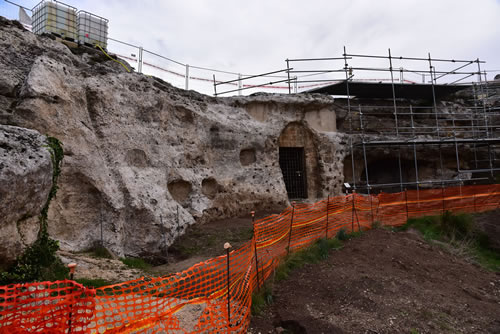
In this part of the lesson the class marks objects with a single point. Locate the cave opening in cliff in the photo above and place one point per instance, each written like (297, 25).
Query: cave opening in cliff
(298, 159)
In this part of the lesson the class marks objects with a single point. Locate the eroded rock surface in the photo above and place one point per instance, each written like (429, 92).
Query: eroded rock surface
(25, 182)
(143, 159)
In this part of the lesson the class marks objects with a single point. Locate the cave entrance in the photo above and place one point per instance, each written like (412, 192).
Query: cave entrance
(292, 163)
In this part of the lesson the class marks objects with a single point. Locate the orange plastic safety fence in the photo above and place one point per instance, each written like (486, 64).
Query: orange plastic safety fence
(46, 307)
(207, 298)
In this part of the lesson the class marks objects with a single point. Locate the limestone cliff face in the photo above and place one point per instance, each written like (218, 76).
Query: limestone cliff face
(25, 182)
(143, 159)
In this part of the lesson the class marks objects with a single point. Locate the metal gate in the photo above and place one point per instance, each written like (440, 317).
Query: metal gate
(292, 163)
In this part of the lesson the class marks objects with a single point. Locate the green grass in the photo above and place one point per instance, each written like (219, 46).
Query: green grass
(459, 231)
(487, 258)
(136, 263)
(314, 254)
(93, 283)
(261, 299)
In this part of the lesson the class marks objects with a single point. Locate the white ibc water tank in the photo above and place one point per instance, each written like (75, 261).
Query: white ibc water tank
(92, 29)
(55, 17)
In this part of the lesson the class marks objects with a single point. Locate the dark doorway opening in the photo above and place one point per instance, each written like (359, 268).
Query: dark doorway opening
(292, 163)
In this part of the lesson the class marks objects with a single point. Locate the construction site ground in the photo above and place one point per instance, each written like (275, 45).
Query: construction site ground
(200, 242)
(380, 282)
(386, 282)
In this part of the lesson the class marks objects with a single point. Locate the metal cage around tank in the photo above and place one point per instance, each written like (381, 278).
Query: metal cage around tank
(92, 29)
(54, 17)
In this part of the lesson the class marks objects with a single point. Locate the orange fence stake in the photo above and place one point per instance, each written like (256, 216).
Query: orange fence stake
(406, 202)
(255, 250)
(327, 204)
(227, 247)
(290, 233)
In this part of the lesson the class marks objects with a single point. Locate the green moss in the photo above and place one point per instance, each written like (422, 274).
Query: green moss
(39, 261)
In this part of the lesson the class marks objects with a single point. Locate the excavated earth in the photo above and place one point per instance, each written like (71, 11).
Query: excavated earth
(385, 282)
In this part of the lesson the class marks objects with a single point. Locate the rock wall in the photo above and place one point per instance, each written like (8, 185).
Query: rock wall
(25, 182)
(143, 160)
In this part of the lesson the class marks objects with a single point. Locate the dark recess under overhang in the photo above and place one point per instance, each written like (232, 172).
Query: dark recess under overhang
(383, 90)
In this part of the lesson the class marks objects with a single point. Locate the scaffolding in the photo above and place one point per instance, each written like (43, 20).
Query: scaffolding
(412, 125)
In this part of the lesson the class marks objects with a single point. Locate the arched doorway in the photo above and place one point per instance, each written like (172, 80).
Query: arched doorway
(298, 160)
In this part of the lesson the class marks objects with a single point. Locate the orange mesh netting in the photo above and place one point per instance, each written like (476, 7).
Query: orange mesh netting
(196, 300)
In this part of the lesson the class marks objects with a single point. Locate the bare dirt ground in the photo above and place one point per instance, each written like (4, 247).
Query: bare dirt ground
(205, 241)
(201, 242)
(111, 270)
(489, 222)
(385, 282)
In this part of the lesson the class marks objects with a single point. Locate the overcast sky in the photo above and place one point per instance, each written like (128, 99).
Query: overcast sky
(257, 36)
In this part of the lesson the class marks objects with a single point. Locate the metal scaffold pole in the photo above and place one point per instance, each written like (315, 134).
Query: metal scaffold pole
(347, 78)
(396, 120)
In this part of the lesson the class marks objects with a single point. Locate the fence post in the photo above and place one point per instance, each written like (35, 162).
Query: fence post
(72, 267)
(164, 228)
(102, 234)
(139, 65)
(352, 211)
(227, 247)
(288, 72)
(255, 250)
(355, 212)
(474, 199)
(371, 207)
(187, 76)
(239, 84)
(327, 204)
(406, 201)
(442, 196)
(215, 86)
(290, 233)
